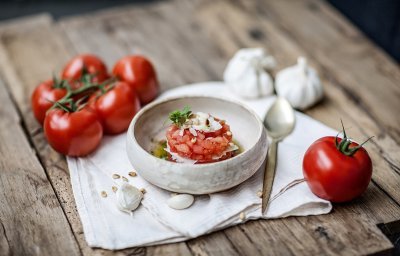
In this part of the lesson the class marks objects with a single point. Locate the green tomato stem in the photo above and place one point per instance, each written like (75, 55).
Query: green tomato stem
(344, 145)
(68, 104)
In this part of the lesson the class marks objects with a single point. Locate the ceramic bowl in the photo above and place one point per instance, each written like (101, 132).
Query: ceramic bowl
(151, 123)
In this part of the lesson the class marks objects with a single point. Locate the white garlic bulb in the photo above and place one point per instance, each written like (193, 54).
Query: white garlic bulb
(299, 84)
(128, 197)
(246, 73)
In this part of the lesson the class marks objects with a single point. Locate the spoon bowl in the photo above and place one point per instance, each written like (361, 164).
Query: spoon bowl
(280, 120)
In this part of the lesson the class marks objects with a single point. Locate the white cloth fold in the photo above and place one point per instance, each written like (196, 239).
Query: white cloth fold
(155, 223)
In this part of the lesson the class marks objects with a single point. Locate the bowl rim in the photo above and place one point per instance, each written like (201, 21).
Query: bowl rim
(131, 128)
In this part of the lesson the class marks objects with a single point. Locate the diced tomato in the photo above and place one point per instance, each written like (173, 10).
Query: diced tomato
(202, 147)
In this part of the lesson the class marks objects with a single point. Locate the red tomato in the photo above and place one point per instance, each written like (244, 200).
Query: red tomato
(93, 64)
(333, 175)
(116, 108)
(42, 98)
(73, 133)
(140, 74)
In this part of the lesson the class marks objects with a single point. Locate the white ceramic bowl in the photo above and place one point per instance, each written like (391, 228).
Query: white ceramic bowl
(152, 121)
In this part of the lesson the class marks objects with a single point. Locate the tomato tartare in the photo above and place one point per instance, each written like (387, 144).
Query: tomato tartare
(198, 138)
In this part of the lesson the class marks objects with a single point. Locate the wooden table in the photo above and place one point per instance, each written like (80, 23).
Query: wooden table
(191, 41)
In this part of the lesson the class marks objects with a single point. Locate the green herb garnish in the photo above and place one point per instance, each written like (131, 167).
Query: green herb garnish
(179, 117)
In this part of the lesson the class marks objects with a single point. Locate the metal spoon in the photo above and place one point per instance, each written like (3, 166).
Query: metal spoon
(279, 122)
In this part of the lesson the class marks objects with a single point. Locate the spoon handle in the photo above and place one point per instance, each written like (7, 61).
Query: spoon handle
(269, 175)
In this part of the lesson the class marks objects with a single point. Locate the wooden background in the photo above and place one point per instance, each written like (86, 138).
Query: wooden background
(191, 41)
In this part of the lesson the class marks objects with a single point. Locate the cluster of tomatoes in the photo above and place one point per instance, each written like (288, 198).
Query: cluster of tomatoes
(88, 102)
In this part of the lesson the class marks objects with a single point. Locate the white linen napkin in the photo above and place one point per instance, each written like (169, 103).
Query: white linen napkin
(155, 223)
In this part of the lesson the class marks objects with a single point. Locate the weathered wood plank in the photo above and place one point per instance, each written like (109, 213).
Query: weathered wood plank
(25, 23)
(214, 244)
(177, 249)
(194, 46)
(31, 218)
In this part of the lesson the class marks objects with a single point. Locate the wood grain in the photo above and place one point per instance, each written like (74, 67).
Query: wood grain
(31, 219)
(195, 46)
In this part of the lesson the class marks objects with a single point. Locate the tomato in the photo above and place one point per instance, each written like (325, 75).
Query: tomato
(140, 74)
(73, 133)
(116, 108)
(94, 65)
(43, 97)
(333, 173)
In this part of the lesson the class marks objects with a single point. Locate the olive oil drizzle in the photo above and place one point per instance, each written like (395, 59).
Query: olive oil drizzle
(158, 149)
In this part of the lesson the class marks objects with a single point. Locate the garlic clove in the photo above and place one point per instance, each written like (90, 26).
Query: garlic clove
(299, 84)
(246, 73)
(128, 197)
(180, 201)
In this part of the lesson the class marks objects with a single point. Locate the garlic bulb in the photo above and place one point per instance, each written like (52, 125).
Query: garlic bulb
(128, 197)
(246, 73)
(299, 84)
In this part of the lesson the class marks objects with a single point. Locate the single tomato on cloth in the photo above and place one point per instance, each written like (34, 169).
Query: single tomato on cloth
(337, 169)
(139, 73)
(115, 107)
(73, 132)
(89, 63)
(44, 96)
